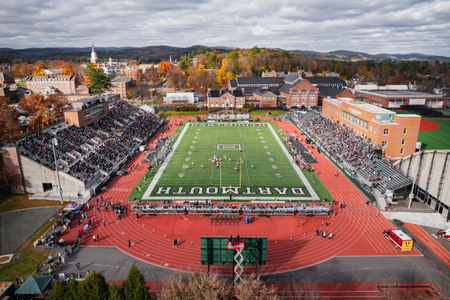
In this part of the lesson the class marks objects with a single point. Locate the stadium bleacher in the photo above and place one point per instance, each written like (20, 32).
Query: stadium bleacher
(82, 152)
(349, 148)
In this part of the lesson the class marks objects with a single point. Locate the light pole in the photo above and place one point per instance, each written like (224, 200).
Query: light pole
(55, 143)
(257, 260)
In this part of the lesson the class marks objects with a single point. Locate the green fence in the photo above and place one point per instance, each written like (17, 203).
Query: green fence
(339, 166)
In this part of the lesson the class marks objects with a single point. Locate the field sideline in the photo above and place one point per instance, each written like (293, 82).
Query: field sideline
(274, 175)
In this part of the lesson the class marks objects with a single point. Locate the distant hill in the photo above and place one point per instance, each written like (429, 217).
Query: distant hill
(146, 54)
(354, 55)
(162, 52)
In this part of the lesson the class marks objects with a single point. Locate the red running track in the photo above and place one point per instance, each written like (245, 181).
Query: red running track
(430, 242)
(355, 231)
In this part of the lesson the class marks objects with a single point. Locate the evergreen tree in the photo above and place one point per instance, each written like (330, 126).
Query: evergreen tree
(116, 292)
(134, 286)
(72, 290)
(57, 291)
(99, 81)
(94, 287)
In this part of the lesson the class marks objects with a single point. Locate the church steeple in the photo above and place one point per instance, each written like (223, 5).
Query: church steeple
(94, 58)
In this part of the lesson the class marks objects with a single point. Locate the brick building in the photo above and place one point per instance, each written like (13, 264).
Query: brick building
(65, 84)
(133, 72)
(120, 85)
(5, 79)
(87, 110)
(299, 93)
(328, 92)
(395, 133)
(226, 99)
(270, 91)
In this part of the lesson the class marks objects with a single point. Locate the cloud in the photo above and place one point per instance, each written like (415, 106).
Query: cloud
(376, 26)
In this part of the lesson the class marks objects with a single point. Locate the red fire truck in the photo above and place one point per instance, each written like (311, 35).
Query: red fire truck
(400, 239)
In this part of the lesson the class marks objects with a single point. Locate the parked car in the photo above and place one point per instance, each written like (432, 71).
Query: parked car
(397, 222)
(444, 234)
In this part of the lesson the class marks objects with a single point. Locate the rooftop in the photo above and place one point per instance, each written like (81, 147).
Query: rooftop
(395, 93)
(370, 107)
(122, 79)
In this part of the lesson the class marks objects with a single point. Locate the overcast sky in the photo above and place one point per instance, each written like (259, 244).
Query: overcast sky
(374, 26)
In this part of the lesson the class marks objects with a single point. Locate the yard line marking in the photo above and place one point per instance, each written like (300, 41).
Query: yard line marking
(245, 159)
(212, 169)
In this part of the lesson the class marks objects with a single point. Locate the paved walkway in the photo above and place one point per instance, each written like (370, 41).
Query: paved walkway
(424, 219)
(17, 227)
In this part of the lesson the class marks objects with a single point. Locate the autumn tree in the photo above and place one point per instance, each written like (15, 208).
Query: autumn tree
(26, 69)
(66, 67)
(140, 91)
(152, 77)
(43, 110)
(198, 286)
(133, 63)
(212, 59)
(9, 128)
(59, 104)
(252, 288)
(39, 70)
(397, 79)
(164, 67)
(226, 72)
(176, 77)
(201, 79)
(99, 82)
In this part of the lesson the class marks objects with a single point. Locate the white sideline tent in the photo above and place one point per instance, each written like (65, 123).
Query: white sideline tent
(180, 98)
(148, 108)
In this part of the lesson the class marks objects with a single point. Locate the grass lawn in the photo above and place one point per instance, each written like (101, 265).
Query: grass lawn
(25, 265)
(438, 138)
(21, 201)
(274, 113)
(272, 174)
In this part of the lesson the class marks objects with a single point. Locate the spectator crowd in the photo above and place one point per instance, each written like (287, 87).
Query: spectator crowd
(100, 146)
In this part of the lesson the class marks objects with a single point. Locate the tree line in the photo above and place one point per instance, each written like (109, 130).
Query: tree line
(210, 69)
(183, 287)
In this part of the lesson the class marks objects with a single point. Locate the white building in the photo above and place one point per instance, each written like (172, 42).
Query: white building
(180, 98)
(94, 58)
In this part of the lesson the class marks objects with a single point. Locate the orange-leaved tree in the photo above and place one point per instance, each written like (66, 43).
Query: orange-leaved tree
(39, 70)
(66, 67)
(164, 67)
(43, 110)
(9, 127)
(133, 63)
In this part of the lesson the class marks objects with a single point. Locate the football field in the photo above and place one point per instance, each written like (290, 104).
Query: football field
(248, 160)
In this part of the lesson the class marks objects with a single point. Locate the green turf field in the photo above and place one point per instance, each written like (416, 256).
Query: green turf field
(438, 138)
(273, 175)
